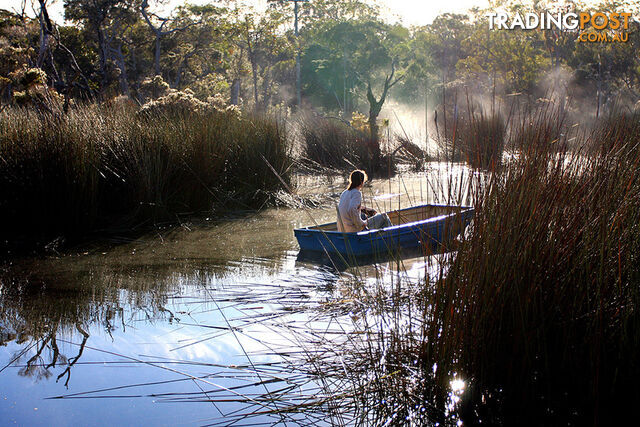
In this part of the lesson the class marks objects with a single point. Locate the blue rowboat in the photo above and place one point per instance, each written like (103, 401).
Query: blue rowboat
(431, 227)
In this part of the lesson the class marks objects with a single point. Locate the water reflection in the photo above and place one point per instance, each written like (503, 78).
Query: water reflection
(224, 314)
(208, 336)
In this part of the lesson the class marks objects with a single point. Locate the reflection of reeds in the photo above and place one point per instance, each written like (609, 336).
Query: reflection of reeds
(101, 167)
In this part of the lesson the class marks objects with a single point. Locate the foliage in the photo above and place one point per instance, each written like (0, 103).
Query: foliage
(153, 87)
(181, 103)
(113, 47)
(512, 57)
(351, 62)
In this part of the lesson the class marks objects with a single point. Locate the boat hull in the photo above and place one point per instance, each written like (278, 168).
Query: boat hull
(431, 234)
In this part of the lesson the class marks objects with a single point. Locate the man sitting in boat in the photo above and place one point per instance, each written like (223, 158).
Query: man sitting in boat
(352, 217)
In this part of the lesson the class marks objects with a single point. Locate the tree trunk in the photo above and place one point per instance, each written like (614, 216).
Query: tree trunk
(254, 72)
(235, 91)
(375, 141)
(45, 30)
(157, 31)
(156, 60)
(375, 106)
(426, 115)
(102, 51)
(176, 83)
(124, 77)
(266, 91)
(44, 44)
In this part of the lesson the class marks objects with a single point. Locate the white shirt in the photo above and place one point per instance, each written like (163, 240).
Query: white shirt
(349, 219)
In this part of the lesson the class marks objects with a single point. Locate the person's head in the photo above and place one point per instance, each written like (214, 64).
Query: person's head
(357, 178)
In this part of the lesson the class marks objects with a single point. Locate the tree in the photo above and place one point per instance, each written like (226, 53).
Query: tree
(515, 58)
(268, 51)
(157, 25)
(366, 56)
(107, 20)
(421, 75)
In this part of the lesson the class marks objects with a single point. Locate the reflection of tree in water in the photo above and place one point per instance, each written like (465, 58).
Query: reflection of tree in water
(46, 314)
(36, 366)
(40, 310)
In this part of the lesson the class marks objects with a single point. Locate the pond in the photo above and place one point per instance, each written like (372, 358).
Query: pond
(207, 323)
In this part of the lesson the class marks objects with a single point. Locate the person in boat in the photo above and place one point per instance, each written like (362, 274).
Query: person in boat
(352, 216)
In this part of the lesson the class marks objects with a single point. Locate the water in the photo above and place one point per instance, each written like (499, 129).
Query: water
(198, 324)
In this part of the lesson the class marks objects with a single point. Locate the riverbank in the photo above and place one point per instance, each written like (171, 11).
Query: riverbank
(111, 166)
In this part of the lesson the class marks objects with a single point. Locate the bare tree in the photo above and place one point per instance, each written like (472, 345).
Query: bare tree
(159, 31)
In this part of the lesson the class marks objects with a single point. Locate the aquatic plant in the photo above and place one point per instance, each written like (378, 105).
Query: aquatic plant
(536, 311)
(539, 305)
(105, 166)
(333, 144)
(473, 134)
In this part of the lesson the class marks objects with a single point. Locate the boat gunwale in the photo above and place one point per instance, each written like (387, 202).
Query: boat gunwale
(317, 229)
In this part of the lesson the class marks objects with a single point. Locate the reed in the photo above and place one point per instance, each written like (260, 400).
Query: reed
(332, 144)
(540, 303)
(481, 140)
(543, 122)
(109, 166)
(536, 311)
(473, 135)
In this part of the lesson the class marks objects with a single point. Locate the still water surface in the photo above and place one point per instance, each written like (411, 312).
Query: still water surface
(188, 326)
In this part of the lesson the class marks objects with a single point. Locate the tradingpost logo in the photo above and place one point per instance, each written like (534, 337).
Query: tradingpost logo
(591, 27)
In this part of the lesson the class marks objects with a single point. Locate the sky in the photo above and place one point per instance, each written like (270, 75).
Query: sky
(411, 12)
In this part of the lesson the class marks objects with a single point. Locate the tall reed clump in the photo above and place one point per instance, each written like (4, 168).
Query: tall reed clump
(540, 123)
(481, 140)
(473, 135)
(540, 306)
(330, 143)
(106, 166)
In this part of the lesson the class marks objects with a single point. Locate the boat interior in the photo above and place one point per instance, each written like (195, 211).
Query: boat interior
(404, 216)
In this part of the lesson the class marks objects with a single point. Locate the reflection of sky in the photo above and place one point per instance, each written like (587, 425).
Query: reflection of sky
(140, 351)
(212, 302)
(140, 343)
